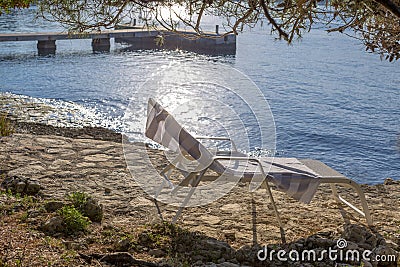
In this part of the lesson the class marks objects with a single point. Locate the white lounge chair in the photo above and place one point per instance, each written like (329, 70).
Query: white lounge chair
(299, 178)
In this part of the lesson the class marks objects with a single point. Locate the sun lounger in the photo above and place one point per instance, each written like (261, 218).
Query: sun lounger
(298, 178)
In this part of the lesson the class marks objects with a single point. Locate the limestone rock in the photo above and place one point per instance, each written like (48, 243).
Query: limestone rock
(158, 253)
(392, 245)
(366, 263)
(53, 225)
(122, 245)
(124, 259)
(230, 236)
(213, 249)
(32, 187)
(33, 213)
(228, 264)
(118, 258)
(242, 253)
(247, 253)
(390, 181)
(223, 264)
(21, 185)
(318, 242)
(355, 233)
(74, 245)
(93, 210)
(53, 205)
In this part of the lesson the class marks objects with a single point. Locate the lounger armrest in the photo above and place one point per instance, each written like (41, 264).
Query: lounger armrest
(219, 138)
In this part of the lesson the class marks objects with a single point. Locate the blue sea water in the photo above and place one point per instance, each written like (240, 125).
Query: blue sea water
(330, 100)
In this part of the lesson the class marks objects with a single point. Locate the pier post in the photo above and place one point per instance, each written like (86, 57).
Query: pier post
(47, 47)
(101, 45)
(216, 29)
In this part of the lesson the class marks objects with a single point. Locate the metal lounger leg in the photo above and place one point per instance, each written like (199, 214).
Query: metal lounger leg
(179, 212)
(282, 230)
(364, 204)
(365, 213)
(334, 192)
(164, 173)
(188, 196)
(186, 181)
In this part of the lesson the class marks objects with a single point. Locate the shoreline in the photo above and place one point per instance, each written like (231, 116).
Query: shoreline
(90, 132)
(37, 116)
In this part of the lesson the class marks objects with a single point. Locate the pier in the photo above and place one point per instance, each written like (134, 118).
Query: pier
(137, 38)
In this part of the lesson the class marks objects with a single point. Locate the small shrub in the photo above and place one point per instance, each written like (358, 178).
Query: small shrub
(73, 219)
(7, 192)
(87, 205)
(6, 128)
(79, 200)
(164, 235)
(24, 217)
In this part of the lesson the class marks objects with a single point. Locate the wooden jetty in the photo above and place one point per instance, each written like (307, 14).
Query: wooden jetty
(136, 37)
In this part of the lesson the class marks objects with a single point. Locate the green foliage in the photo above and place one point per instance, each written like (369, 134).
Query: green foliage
(163, 234)
(86, 205)
(7, 192)
(26, 201)
(6, 128)
(79, 200)
(24, 217)
(172, 239)
(73, 219)
(15, 203)
(7, 5)
(68, 256)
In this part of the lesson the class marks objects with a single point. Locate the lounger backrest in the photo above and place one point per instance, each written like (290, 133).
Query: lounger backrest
(162, 128)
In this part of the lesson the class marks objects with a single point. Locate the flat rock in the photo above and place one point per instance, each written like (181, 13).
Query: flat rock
(231, 207)
(97, 157)
(210, 219)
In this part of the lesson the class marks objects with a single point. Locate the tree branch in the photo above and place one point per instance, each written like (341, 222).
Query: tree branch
(392, 7)
(273, 22)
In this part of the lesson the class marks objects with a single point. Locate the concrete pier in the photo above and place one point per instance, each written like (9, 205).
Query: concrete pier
(137, 37)
(212, 44)
(101, 45)
(46, 47)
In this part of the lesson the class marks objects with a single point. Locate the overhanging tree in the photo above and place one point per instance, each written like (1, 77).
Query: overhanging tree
(375, 22)
(7, 5)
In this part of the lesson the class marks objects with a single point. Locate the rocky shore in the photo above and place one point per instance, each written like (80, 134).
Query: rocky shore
(229, 232)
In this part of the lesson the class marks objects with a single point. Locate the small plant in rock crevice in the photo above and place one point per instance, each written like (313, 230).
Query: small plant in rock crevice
(79, 200)
(6, 127)
(73, 219)
(87, 205)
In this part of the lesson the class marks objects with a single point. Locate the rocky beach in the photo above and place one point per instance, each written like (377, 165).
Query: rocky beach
(53, 162)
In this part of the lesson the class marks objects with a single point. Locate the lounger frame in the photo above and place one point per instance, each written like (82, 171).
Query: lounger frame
(193, 179)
